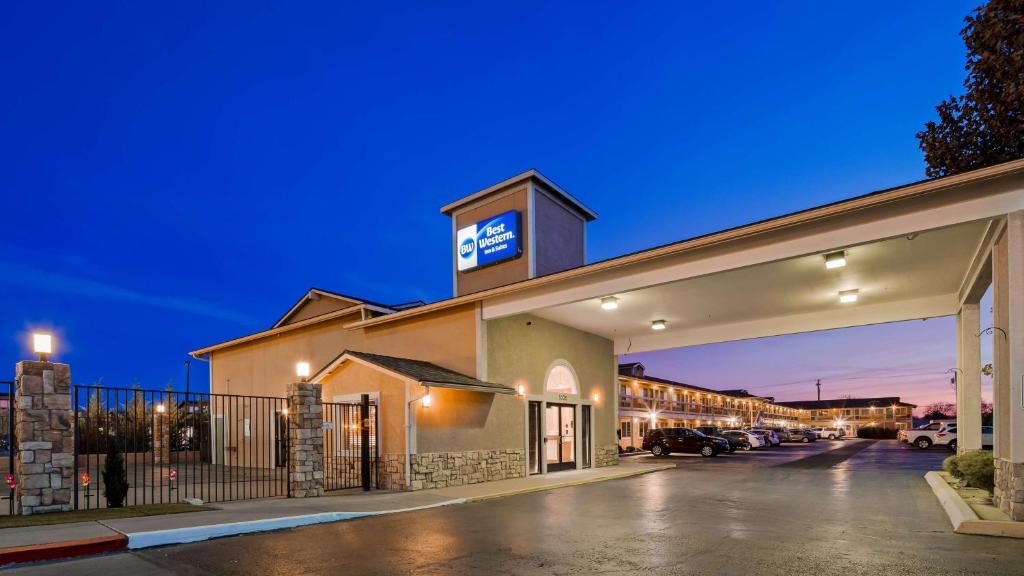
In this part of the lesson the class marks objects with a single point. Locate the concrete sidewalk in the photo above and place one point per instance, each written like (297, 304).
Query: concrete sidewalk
(244, 517)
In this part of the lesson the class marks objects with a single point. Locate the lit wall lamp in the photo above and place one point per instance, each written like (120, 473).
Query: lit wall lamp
(428, 400)
(835, 260)
(302, 371)
(596, 397)
(42, 344)
(609, 303)
(521, 390)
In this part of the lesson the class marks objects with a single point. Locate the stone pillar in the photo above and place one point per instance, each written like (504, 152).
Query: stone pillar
(305, 440)
(968, 381)
(1008, 299)
(44, 468)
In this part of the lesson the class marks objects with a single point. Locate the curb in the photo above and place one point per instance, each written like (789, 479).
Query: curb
(963, 518)
(652, 468)
(137, 540)
(61, 550)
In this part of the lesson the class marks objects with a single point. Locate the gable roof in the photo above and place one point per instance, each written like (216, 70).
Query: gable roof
(426, 373)
(317, 293)
(880, 402)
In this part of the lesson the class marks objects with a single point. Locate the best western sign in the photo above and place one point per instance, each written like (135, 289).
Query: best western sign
(488, 242)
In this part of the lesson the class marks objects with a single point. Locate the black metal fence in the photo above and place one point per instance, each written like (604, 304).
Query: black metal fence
(211, 447)
(351, 445)
(8, 446)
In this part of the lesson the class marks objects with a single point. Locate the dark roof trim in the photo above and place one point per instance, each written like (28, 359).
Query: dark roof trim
(881, 402)
(298, 304)
(426, 373)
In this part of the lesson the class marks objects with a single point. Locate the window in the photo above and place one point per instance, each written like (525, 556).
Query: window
(644, 427)
(627, 429)
(561, 380)
(625, 391)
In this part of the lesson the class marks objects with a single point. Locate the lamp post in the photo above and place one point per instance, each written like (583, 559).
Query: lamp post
(188, 374)
(302, 371)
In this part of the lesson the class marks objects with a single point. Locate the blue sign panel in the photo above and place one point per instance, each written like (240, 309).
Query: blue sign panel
(488, 242)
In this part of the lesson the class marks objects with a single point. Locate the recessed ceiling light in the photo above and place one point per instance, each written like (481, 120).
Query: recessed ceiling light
(835, 260)
(848, 296)
(609, 303)
(659, 325)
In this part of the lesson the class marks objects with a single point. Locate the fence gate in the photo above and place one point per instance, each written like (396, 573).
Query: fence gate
(351, 447)
(8, 446)
(211, 447)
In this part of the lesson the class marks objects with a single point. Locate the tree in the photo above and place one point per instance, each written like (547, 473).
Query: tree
(939, 411)
(985, 126)
(115, 476)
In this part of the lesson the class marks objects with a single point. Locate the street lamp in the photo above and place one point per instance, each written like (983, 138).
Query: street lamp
(42, 344)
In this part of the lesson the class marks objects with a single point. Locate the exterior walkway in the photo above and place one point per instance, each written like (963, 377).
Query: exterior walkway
(248, 516)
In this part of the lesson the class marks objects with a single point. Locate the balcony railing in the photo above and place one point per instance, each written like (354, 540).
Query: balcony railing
(677, 406)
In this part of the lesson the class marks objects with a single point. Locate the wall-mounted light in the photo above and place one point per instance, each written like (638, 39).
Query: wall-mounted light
(428, 401)
(302, 370)
(848, 296)
(596, 397)
(609, 303)
(659, 325)
(835, 260)
(42, 344)
(521, 390)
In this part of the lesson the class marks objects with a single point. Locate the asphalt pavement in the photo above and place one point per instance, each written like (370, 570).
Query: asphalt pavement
(857, 508)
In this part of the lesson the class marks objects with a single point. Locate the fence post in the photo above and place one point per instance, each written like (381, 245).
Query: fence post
(306, 440)
(364, 440)
(45, 465)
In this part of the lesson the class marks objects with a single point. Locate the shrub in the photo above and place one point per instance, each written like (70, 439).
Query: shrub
(115, 477)
(876, 433)
(952, 466)
(977, 468)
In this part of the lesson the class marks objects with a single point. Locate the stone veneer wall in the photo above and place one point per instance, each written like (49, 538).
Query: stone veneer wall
(1009, 490)
(443, 469)
(46, 458)
(305, 440)
(392, 472)
(606, 456)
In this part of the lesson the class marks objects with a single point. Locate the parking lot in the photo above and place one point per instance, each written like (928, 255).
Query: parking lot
(846, 508)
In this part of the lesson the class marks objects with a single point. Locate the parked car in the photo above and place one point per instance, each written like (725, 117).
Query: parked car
(761, 436)
(785, 434)
(924, 436)
(948, 437)
(830, 433)
(803, 435)
(664, 441)
(747, 441)
(716, 432)
(770, 435)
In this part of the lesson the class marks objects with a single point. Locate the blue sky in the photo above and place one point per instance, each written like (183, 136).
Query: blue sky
(176, 175)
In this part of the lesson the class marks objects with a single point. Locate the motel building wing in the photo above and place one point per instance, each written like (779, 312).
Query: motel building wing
(529, 342)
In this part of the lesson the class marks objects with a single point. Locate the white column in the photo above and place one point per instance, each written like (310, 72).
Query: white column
(1014, 270)
(1000, 352)
(968, 386)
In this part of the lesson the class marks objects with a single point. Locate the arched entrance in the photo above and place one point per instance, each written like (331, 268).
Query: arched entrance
(559, 423)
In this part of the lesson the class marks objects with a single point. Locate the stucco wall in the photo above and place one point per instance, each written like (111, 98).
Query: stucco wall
(559, 235)
(462, 420)
(265, 367)
(520, 349)
(313, 308)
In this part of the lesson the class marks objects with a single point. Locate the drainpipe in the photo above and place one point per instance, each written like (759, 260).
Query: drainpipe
(410, 428)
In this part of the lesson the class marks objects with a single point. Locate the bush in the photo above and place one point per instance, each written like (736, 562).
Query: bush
(115, 477)
(876, 433)
(952, 466)
(977, 469)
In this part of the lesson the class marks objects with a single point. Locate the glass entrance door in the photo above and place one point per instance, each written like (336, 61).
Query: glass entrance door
(560, 437)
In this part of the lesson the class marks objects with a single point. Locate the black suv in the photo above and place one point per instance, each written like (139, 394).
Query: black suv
(664, 441)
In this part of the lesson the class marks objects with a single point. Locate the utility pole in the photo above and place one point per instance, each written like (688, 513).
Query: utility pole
(819, 389)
